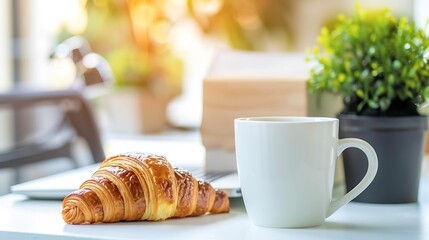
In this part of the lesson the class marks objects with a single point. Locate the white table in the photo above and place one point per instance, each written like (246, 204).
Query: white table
(21, 218)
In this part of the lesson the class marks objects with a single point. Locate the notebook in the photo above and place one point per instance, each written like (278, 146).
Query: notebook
(59, 185)
(183, 154)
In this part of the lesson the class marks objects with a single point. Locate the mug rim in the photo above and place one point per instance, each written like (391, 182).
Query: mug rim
(285, 119)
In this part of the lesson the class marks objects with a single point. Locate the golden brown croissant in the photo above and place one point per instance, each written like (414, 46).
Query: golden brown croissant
(141, 186)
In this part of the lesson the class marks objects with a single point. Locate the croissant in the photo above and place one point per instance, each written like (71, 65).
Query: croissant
(141, 186)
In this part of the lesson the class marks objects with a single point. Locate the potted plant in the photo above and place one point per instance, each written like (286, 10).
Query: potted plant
(380, 66)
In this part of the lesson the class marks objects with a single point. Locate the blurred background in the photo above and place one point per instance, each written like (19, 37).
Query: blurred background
(140, 63)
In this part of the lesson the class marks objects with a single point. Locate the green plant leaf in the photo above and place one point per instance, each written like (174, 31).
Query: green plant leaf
(384, 104)
(373, 104)
(426, 93)
(375, 60)
(360, 93)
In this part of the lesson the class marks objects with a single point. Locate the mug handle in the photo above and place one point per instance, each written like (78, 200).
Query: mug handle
(366, 180)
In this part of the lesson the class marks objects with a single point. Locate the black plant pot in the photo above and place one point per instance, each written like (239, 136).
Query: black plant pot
(399, 143)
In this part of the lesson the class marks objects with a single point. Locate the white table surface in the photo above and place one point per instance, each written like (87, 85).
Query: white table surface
(21, 218)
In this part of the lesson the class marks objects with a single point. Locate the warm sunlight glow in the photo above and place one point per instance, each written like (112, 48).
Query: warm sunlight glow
(61, 73)
(247, 15)
(65, 13)
(207, 7)
(143, 16)
(160, 32)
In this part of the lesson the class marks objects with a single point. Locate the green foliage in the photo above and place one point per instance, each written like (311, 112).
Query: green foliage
(127, 34)
(247, 25)
(375, 61)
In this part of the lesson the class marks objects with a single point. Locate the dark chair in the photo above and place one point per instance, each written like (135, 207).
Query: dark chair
(93, 76)
(77, 121)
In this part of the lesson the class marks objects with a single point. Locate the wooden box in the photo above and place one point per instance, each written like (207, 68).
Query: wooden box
(245, 84)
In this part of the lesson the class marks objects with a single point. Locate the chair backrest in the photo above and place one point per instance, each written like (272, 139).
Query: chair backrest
(78, 120)
(93, 78)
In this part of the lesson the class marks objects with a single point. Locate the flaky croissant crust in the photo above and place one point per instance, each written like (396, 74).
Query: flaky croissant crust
(141, 186)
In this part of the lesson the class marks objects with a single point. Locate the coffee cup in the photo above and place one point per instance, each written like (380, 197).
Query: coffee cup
(286, 167)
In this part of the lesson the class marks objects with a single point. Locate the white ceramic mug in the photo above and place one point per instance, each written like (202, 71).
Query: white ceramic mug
(286, 167)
